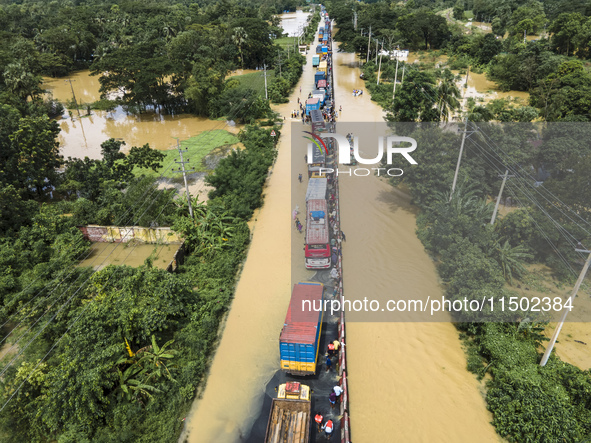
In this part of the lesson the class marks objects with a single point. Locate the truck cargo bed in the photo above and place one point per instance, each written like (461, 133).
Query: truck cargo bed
(289, 422)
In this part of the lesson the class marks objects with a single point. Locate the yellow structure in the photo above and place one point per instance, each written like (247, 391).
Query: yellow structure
(124, 234)
(296, 391)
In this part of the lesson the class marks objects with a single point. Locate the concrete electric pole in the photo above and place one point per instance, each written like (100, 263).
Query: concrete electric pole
(505, 177)
(565, 309)
(182, 163)
(453, 186)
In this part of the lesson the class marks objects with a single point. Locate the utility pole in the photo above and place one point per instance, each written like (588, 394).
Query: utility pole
(524, 36)
(279, 52)
(182, 163)
(453, 186)
(505, 177)
(467, 74)
(265, 70)
(565, 310)
(368, 44)
(377, 43)
(74, 96)
(402, 79)
(380, 66)
(355, 20)
(395, 78)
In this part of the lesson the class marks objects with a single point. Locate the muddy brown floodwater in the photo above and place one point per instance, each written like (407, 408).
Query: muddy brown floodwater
(104, 254)
(408, 381)
(82, 137)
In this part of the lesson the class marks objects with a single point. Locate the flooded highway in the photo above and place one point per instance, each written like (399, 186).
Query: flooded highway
(406, 379)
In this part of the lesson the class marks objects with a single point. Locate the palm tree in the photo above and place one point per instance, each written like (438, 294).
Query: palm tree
(511, 259)
(449, 95)
(169, 31)
(239, 38)
(465, 201)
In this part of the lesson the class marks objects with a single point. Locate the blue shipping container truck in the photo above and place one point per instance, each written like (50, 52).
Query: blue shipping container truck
(320, 75)
(298, 342)
(325, 49)
(312, 104)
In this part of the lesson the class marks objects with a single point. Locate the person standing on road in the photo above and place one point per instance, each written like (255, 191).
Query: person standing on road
(332, 398)
(318, 419)
(343, 236)
(328, 428)
(300, 178)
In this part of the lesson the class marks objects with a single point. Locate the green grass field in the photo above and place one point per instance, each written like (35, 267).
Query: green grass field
(255, 80)
(284, 42)
(198, 147)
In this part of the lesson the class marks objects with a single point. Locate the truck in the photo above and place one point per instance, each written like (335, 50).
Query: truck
(317, 249)
(312, 104)
(324, 49)
(320, 94)
(321, 84)
(316, 189)
(323, 66)
(315, 61)
(289, 420)
(319, 75)
(318, 124)
(300, 335)
(319, 49)
(318, 157)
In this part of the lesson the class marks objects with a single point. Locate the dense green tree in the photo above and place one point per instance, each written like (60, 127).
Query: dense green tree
(497, 27)
(416, 99)
(564, 31)
(241, 105)
(530, 18)
(565, 94)
(258, 46)
(459, 10)
(32, 155)
(423, 29)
